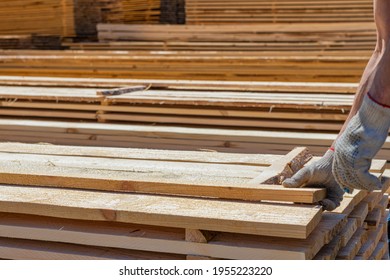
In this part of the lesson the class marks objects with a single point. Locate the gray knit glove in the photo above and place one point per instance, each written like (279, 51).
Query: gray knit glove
(319, 175)
(357, 146)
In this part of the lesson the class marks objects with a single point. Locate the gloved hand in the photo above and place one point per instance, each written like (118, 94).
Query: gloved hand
(357, 146)
(319, 174)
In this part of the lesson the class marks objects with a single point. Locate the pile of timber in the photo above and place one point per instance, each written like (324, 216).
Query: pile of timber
(50, 17)
(282, 11)
(234, 109)
(246, 117)
(249, 37)
(100, 203)
(332, 66)
(129, 11)
(42, 109)
(71, 19)
(41, 42)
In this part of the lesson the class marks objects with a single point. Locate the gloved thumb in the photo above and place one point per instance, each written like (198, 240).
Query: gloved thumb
(299, 180)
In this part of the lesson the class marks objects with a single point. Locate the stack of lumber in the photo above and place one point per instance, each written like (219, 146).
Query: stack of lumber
(283, 11)
(332, 66)
(50, 17)
(87, 203)
(141, 11)
(15, 41)
(129, 11)
(50, 109)
(41, 109)
(365, 237)
(256, 110)
(250, 37)
(166, 137)
(41, 42)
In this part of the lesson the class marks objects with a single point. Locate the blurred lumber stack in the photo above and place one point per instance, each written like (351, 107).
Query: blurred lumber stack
(130, 11)
(287, 111)
(42, 42)
(283, 11)
(333, 66)
(51, 17)
(246, 117)
(141, 11)
(249, 37)
(86, 203)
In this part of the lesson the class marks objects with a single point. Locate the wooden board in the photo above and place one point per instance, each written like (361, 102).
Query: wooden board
(160, 174)
(168, 240)
(250, 218)
(353, 246)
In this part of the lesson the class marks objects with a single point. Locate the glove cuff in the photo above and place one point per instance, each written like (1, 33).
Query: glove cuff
(374, 116)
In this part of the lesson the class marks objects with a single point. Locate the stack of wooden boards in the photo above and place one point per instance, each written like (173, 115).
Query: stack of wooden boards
(283, 11)
(50, 17)
(264, 110)
(129, 11)
(87, 203)
(71, 19)
(351, 36)
(41, 42)
(332, 66)
(246, 117)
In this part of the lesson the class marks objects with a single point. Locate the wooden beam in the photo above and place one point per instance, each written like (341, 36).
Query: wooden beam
(158, 175)
(251, 218)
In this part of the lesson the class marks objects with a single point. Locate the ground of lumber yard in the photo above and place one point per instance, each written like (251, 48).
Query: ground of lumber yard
(227, 101)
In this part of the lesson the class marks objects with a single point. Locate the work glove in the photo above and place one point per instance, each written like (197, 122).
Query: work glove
(359, 143)
(319, 175)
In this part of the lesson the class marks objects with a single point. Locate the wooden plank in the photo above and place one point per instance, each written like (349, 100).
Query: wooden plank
(169, 240)
(353, 246)
(373, 198)
(269, 86)
(330, 251)
(373, 239)
(349, 230)
(379, 251)
(145, 154)
(277, 172)
(382, 205)
(350, 201)
(19, 249)
(373, 218)
(140, 176)
(360, 213)
(251, 218)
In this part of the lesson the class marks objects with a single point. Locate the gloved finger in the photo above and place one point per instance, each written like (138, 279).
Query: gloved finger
(299, 180)
(368, 182)
(356, 179)
(328, 204)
